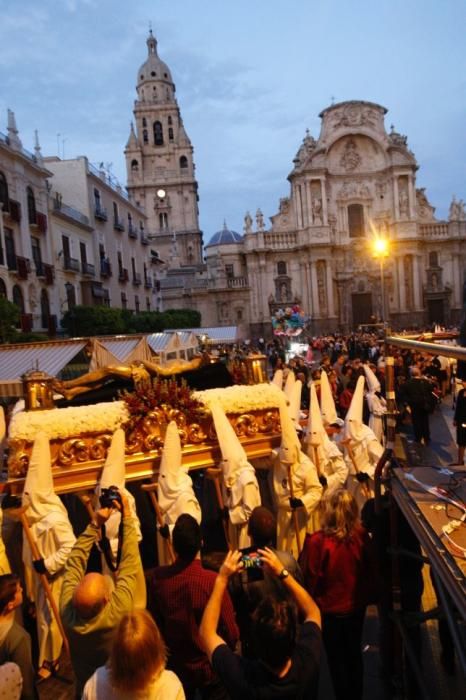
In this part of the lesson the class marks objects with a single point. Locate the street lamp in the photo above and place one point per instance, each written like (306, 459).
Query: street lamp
(380, 249)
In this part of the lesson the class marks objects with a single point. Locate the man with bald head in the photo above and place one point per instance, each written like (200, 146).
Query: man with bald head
(89, 607)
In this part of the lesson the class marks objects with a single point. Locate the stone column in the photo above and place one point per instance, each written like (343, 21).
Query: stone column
(396, 200)
(411, 197)
(323, 193)
(307, 301)
(416, 283)
(329, 284)
(401, 284)
(315, 298)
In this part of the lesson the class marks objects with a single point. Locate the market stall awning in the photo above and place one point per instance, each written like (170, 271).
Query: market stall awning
(163, 342)
(49, 357)
(215, 334)
(111, 351)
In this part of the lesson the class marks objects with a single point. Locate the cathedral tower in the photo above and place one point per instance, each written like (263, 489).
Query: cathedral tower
(160, 167)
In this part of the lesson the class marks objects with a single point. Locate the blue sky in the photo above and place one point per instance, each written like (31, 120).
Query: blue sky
(251, 76)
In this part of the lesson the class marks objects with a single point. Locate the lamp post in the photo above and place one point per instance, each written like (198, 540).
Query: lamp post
(380, 250)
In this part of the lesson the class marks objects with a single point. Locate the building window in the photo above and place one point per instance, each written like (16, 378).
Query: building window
(44, 308)
(3, 294)
(281, 268)
(144, 122)
(134, 166)
(137, 304)
(97, 198)
(120, 263)
(31, 206)
(147, 303)
(145, 136)
(170, 133)
(124, 301)
(356, 220)
(433, 259)
(229, 270)
(70, 295)
(183, 162)
(170, 121)
(10, 251)
(36, 255)
(163, 220)
(18, 298)
(158, 134)
(239, 314)
(4, 199)
(115, 212)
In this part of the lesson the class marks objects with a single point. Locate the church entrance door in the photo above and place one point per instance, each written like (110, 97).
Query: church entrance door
(362, 309)
(436, 311)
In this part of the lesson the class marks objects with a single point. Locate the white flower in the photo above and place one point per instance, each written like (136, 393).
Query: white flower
(62, 423)
(241, 399)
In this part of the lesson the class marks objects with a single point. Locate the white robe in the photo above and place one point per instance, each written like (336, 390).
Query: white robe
(55, 539)
(4, 563)
(241, 500)
(366, 453)
(306, 486)
(378, 408)
(187, 503)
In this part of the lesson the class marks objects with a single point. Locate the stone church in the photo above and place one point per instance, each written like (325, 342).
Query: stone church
(354, 183)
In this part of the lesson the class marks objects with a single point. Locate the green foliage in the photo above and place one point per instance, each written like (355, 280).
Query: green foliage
(9, 319)
(102, 320)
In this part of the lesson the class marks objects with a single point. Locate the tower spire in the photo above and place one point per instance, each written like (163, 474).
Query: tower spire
(37, 150)
(15, 141)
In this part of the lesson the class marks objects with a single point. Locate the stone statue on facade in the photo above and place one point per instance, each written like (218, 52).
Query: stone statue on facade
(260, 220)
(317, 210)
(403, 202)
(453, 214)
(350, 158)
(247, 228)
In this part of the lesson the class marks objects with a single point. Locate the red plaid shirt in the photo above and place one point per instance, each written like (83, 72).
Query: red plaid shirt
(179, 596)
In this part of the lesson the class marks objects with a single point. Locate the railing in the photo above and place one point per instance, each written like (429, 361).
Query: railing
(70, 212)
(40, 271)
(137, 279)
(14, 210)
(11, 261)
(105, 268)
(280, 240)
(235, 282)
(71, 264)
(23, 267)
(5, 139)
(433, 230)
(49, 273)
(88, 269)
(123, 275)
(144, 239)
(100, 213)
(118, 224)
(133, 232)
(109, 180)
(147, 283)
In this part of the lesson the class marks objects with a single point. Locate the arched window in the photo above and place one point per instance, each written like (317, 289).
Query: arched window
(183, 162)
(163, 220)
(170, 133)
(134, 166)
(3, 294)
(145, 136)
(170, 121)
(4, 199)
(144, 122)
(281, 268)
(158, 134)
(44, 308)
(31, 206)
(356, 221)
(433, 259)
(18, 298)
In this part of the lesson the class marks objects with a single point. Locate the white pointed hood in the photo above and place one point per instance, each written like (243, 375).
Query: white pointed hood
(278, 378)
(289, 383)
(315, 426)
(174, 479)
(114, 472)
(38, 492)
(234, 458)
(353, 419)
(372, 381)
(290, 447)
(294, 407)
(327, 404)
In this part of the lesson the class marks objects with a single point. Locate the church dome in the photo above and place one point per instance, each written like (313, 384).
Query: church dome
(225, 237)
(153, 68)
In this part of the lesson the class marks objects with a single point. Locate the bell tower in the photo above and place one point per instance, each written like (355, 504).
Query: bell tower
(159, 163)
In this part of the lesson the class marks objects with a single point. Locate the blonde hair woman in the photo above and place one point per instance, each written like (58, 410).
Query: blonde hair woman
(136, 665)
(339, 573)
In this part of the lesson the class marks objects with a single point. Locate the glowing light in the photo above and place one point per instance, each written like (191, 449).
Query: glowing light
(380, 246)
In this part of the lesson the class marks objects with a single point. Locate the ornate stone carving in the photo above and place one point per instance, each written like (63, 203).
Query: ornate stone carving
(247, 228)
(260, 220)
(352, 190)
(354, 115)
(350, 158)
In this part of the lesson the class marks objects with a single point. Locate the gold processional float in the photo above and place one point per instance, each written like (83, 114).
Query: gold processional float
(80, 436)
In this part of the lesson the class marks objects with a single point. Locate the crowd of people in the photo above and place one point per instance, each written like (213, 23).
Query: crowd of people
(300, 569)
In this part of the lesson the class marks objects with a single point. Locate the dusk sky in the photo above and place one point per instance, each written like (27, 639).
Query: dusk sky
(250, 76)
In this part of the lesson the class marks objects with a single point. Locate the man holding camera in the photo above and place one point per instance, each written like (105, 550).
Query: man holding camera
(89, 608)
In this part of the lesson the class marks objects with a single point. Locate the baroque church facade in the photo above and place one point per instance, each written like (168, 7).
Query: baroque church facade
(353, 183)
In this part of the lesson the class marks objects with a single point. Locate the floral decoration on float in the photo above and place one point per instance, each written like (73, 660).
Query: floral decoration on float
(289, 322)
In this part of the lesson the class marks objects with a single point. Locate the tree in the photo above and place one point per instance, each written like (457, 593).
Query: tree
(9, 319)
(93, 320)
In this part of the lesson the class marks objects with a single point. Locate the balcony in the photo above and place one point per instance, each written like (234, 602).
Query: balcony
(11, 261)
(39, 222)
(70, 212)
(40, 272)
(144, 239)
(88, 269)
(123, 275)
(71, 264)
(105, 268)
(13, 211)
(49, 273)
(236, 282)
(132, 231)
(100, 213)
(23, 267)
(118, 224)
(136, 279)
(148, 283)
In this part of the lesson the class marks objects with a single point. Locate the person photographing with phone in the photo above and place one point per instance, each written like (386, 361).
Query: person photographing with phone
(288, 653)
(89, 608)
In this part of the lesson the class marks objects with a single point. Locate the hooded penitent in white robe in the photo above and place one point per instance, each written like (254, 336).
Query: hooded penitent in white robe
(4, 563)
(306, 485)
(377, 404)
(289, 384)
(278, 378)
(175, 488)
(319, 448)
(366, 449)
(328, 410)
(51, 529)
(114, 474)
(239, 484)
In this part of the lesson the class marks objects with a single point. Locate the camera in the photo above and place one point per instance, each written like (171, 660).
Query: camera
(109, 497)
(251, 561)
